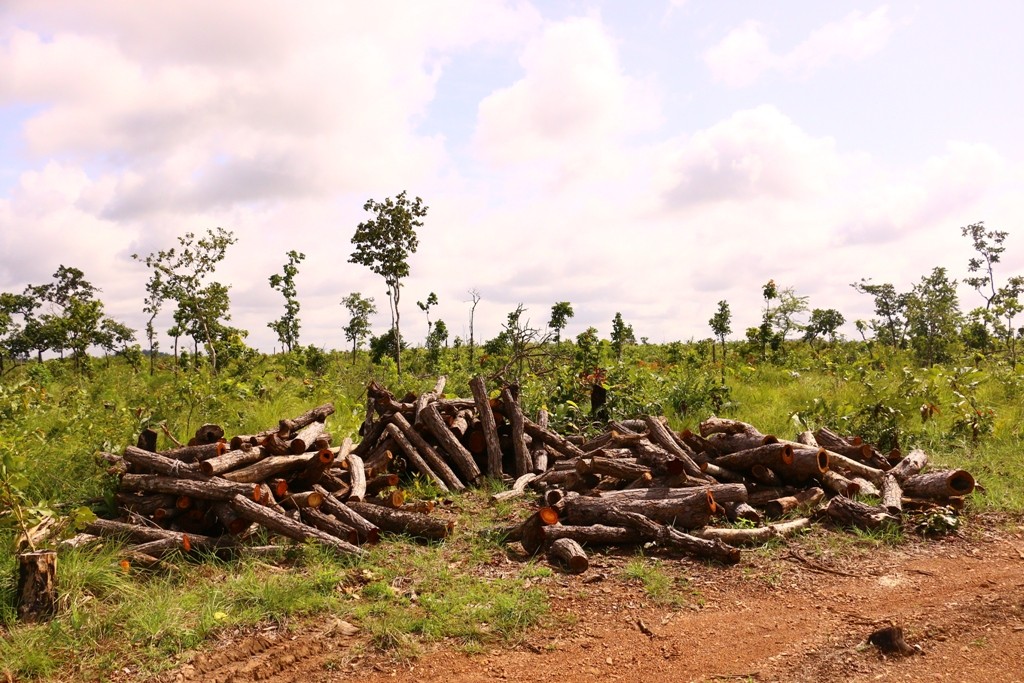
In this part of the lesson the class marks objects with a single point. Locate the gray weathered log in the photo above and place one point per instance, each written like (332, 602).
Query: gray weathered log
(490, 429)
(912, 464)
(891, 495)
(148, 462)
(568, 552)
(367, 530)
(514, 413)
(755, 536)
(401, 522)
(414, 456)
(433, 459)
(286, 526)
(461, 457)
(210, 489)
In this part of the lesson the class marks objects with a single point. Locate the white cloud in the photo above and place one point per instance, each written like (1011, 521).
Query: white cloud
(744, 55)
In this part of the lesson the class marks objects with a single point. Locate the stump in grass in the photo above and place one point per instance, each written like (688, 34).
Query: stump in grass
(37, 585)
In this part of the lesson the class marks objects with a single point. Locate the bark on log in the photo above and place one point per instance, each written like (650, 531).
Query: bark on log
(518, 488)
(660, 435)
(556, 442)
(275, 444)
(450, 445)
(37, 585)
(514, 413)
(318, 414)
(143, 504)
(760, 496)
(380, 482)
(807, 463)
(938, 484)
(568, 552)
(891, 495)
(851, 448)
(846, 512)
(195, 453)
(270, 467)
(428, 397)
(367, 530)
(147, 440)
(719, 425)
(851, 468)
(912, 464)
(865, 487)
(371, 438)
(673, 539)
(722, 493)
(490, 429)
(807, 439)
(232, 460)
(229, 519)
(619, 468)
(155, 463)
(744, 511)
(286, 526)
(210, 489)
(839, 485)
(780, 506)
(401, 522)
(690, 512)
(775, 456)
(328, 524)
(414, 457)
(433, 459)
(530, 531)
(306, 437)
(302, 499)
(538, 453)
(765, 475)
(755, 536)
(592, 535)
(720, 473)
(323, 461)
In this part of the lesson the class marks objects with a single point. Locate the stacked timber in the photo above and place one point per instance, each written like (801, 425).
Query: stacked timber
(214, 494)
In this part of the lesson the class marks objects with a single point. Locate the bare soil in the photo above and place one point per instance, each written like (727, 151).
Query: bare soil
(801, 612)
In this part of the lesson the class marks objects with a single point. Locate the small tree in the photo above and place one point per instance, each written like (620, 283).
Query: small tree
(823, 322)
(622, 334)
(561, 313)
(436, 339)
(287, 326)
(933, 316)
(383, 244)
(425, 307)
(474, 296)
(721, 325)
(891, 307)
(359, 312)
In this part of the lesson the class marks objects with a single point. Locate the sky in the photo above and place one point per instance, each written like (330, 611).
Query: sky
(651, 158)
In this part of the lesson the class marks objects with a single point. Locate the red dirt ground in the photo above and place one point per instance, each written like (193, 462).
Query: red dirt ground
(800, 613)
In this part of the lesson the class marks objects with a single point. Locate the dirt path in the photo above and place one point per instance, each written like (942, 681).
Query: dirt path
(778, 617)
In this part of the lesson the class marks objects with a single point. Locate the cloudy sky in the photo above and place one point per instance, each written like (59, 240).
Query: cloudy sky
(648, 157)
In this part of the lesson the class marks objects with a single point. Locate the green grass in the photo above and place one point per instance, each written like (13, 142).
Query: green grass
(658, 584)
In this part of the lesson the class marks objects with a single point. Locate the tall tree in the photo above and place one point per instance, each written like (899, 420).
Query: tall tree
(823, 322)
(721, 325)
(183, 271)
(989, 245)
(383, 244)
(561, 313)
(474, 296)
(287, 326)
(358, 327)
(622, 335)
(891, 307)
(933, 317)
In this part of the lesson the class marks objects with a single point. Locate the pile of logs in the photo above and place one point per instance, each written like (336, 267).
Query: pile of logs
(214, 494)
(639, 482)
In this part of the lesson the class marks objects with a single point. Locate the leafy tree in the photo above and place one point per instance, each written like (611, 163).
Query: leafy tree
(561, 313)
(1005, 307)
(933, 317)
(721, 325)
(425, 307)
(622, 334)
(182, 274)
(383, 244)
(588, 350)
(13, 308)
(204, 319)
(115, 337)
(436, 339)
(384, 345)
(989, 245)
(359, 312)
(287, 326)
(823, 322)
(891, 307)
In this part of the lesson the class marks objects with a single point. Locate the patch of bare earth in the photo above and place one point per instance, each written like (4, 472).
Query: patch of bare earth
(798, 613)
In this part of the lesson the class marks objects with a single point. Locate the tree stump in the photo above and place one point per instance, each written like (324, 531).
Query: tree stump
(37, 585)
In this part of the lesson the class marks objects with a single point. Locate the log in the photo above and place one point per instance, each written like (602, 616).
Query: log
(851, 448)
(765, 475)
(539, 454)
(698, 444)
(380, 482)
(722, 493)
(529, 531)
(846, 512)
(204, 451)
(568, 552)
(620, 468)
(774, 456)
(556, 442)
(660, 435)
(514, 412)
(780, 506)
(865, 487)
(433, 459)
(428, 397)
(269, 467)
(210, 489)
(806, 438)
(744, 511)
(302, 499)
(275, 444)
(591, 535)
(232, 460)
(357, 475)
(401, 522)
(147, 440)
(284, 525)
(328, 524)
(807, 463)
(147, 461)
(754, 536)
(720, 473)
(891, 495)
(306, 437)
(938, 484)
(690, 512)
(462, 458)
(518, 488)
(229, 519)
(673, 539)
(209, 434)
(371, 438)
(851, 468)
(719, 425)
(912, 464)
(37, 585)
(367, 530)
(318, 466)
(761, 496)
(318, 414)
(143, 504)
(489, 426)
(839, 485)
(414, 456)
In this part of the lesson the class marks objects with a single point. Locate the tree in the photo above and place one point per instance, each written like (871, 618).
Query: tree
(425, 307)
(474, 296)
(823, 322)
(721, 325)
(588, 350)
(561, 313)
(622, 334)
(891, 307)
(359, 312)
(1005, 307)
(203, 318)
(182, 274)
(383, 244)
(933, 317)
(115, 337)
(437, 338)
(287, 326)
(989, 245)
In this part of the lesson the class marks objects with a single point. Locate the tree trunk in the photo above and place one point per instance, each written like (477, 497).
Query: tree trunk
(270, 467)
(490, 429)
(938, 484)
(690, 512)
(414, 456)
(775, 456)
(545, 435)
(232, 460)
(318, 414)
(846, 512)
(891, 495)
(432, 458)
(37, 585)
(755, 536)
(539, 454)
(660, 435)
(328, 524)
(514, 413)
(286, 526)
(208, 489)
(591, 535)
(367, 530)
(780, 506)
(912, 464)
